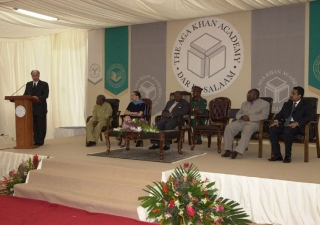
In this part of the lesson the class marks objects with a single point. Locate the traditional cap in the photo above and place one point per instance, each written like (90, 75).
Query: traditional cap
(197, 88)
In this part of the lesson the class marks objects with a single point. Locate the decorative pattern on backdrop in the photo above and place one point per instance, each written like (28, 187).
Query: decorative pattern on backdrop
(116, 59)
(95, 55)
(278, 37)
(314, 48)
(209, 53)
(148, 62)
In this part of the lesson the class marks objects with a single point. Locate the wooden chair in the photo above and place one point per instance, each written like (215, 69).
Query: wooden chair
(219, 112)
(263, 128)
(113, 120)
(184, 122)
(311, 133)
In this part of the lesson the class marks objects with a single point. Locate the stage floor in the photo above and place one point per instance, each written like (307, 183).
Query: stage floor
(73, 149)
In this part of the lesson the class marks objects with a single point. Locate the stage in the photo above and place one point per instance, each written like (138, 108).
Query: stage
(112, 185)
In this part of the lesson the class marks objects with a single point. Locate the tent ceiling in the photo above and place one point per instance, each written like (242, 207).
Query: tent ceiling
(88, 14)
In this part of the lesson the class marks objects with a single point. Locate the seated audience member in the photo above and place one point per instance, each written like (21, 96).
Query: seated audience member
(248, 120)
(170, 114)
(135, 109)
(291, 120)
(198, 107)
(101, 111)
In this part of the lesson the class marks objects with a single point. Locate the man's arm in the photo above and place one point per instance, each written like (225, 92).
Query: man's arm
(45, 91)
(184, 108)
(261, 114)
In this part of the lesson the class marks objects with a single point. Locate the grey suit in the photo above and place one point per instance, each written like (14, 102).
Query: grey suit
(257, 112)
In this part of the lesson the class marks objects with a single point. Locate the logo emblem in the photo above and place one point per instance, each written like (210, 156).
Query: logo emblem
(150, 87)
(94, 70)
(116, 75)
(316, 68)
(208, 52)
(276, 84)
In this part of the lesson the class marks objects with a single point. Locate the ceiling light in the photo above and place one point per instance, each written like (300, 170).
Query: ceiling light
(36, 15)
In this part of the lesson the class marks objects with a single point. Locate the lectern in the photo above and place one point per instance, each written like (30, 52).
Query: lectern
(24, 120)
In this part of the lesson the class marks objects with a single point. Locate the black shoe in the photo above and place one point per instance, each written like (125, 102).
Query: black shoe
(166, 147)
(275, 158)
(139, 144)
(91, 143)
(154, 146)
(227, 153)
(233, 154)
(287, 159)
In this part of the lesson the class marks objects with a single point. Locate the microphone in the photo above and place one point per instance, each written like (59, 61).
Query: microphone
(19, 89)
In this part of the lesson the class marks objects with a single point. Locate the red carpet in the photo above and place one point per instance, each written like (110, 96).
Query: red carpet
(14, 210)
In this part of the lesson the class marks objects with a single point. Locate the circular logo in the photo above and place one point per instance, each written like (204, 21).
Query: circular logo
(116, 75)
(94, 70)
(20, 111)
(149, 87)
(316, 68)
(208, 52)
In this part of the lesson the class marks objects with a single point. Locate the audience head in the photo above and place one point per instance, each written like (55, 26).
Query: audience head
(100, 99)
(253, 95)
(297, 93)
(178, 96)
(135, 95)
(196, 91)
(35, 74)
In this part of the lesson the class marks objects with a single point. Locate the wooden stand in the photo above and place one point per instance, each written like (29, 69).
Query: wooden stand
(24, 120)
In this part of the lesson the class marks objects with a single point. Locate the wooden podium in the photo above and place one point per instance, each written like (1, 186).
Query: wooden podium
(24, 120)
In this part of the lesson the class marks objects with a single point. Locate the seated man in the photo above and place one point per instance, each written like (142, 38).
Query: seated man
(248, 120)
(170, 114)
(198, 107)
(101, 111)
(291, 120)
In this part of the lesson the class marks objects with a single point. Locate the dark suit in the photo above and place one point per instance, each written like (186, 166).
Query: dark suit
(39, 110)
(302, 114)
(181, 108)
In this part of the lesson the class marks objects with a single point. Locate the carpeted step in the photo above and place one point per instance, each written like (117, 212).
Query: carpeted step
(98, 170)
(91, 203)
(98, 186)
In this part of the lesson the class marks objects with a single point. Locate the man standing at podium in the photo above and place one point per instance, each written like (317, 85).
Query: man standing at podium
(40, 90)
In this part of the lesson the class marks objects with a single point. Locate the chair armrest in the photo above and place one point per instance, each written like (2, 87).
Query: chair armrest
(88, 118)
(199, 117)
(307, 127)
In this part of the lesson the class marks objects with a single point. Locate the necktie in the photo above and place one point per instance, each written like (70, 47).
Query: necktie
(173, 105)
(34, 87)
(290, 117)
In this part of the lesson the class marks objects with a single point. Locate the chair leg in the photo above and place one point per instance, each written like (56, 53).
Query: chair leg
(306, 150)
(209, 140)
(219, 142)
(193, 142)
(100, 136)
(189, 136)
(260, 148)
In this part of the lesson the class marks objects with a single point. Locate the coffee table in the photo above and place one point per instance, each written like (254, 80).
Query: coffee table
(134, 135)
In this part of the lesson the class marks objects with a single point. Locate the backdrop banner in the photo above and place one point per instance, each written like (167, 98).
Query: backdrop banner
(278, 38)
(148, 63)
(314, 47)
(116, 59)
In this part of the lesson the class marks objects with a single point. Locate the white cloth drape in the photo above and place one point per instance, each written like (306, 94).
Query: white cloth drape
(62, 62)
(266, 201)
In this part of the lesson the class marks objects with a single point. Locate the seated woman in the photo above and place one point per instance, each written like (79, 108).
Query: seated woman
(135, 109)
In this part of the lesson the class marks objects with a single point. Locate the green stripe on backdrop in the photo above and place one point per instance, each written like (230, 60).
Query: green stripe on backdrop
(116, 59)
(314, 45)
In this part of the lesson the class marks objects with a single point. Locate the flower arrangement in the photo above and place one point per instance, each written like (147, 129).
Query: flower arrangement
(186, 199)
(19, 176)
(137, 125)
